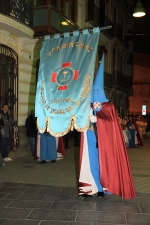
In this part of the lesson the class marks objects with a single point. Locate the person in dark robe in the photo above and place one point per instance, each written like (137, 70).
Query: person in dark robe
(31, 130)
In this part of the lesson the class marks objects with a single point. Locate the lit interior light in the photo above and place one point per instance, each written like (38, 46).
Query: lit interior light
(64, 23)
(139, 10)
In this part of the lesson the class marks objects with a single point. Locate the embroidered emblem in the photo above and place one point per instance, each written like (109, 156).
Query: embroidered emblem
(64, 76)
(96, 105)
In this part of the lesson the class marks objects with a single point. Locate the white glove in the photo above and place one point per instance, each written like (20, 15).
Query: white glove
(93, 118)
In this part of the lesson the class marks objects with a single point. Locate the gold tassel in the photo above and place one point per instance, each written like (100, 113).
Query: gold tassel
(72, 125)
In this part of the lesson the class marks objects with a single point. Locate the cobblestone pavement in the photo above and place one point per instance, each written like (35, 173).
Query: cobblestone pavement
(46, 194)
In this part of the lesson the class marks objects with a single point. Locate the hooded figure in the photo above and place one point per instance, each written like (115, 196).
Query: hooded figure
(98, 94)
(113, 174)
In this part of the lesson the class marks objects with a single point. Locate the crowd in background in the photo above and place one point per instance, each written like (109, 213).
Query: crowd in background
(134, 129)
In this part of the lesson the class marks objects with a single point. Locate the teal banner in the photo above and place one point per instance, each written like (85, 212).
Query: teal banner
(65, 80)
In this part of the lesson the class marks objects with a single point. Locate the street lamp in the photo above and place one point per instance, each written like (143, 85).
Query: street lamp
(139, 10)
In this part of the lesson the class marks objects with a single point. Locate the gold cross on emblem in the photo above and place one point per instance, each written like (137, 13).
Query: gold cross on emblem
(64, 73)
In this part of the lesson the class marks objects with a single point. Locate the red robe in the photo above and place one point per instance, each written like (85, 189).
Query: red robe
(115, 173)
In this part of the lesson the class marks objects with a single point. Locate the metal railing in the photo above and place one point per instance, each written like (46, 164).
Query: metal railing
(15, 137)
(22, 11)
(118, 31)
(120, 80)
(95, 18)
(107, 80)
(109, 32)
(52, 20)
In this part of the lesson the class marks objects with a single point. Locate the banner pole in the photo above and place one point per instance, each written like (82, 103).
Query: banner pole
(80, 31)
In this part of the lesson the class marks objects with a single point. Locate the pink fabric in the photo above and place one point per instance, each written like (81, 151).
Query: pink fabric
(61, 148)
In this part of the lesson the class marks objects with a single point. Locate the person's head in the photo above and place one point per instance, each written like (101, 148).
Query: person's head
(125, 127)
(139, 118)
(32, 113)
(119, 117)
(5, 108)
(125, 117)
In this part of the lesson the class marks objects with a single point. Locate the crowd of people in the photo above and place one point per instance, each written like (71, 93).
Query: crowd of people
(134, 129)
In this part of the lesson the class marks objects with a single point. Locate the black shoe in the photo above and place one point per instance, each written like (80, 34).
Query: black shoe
(100, 194)
(85, 195)
(43, 162)
(53, 161)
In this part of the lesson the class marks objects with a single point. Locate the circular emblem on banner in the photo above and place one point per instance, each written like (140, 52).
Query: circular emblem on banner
(65, 76)
(97, 105)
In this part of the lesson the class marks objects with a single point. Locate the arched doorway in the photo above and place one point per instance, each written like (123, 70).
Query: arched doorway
(9, 79)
